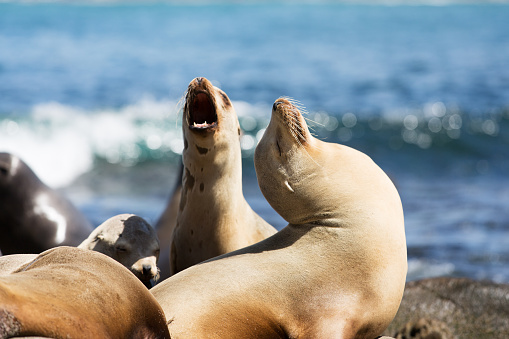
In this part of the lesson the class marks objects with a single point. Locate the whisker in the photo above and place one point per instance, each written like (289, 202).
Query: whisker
(295, 102)
(179, 106)
(313, 122)
(296, 128)
(297, 125)
(291, 114)
(298, 132)
(295, 137)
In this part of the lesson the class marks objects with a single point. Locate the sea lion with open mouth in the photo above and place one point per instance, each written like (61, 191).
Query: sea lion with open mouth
(214, 217)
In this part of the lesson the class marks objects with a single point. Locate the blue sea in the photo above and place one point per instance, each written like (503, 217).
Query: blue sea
(89, 98)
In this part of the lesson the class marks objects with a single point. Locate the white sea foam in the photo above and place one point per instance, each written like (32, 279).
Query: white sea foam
(57, 157)
(61, 142)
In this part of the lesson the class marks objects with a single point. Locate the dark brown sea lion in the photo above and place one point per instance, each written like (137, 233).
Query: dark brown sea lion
(34, 217)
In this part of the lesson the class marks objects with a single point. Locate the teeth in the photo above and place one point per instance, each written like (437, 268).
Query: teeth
(200, 125)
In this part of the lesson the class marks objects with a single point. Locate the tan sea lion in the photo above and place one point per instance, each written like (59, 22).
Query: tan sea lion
(131, 241)
(34, 217)
(336, 271)
(214, 217)
(10, 263)
(67, 292)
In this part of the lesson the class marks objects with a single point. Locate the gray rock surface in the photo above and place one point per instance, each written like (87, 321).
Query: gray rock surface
(452, 308)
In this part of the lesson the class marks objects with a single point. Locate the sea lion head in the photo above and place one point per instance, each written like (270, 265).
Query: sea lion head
(131, 241)
(24, 226)
(308, 181)
(15, 174)
(209, 118)
(285, 164)
(7, 168)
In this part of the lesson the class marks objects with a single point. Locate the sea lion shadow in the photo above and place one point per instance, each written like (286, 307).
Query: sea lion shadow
(283, 239)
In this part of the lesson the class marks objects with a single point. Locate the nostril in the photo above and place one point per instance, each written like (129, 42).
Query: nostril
(199, 80)
(147, 269)
(277, 103)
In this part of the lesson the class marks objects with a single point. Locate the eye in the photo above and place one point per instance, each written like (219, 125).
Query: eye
(225, 98)
(278, 148)
(121, 249)
(3, 171)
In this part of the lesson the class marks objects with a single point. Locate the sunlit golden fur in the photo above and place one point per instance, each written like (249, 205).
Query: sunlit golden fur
(68, 292)
(10, 263)
(336, 271)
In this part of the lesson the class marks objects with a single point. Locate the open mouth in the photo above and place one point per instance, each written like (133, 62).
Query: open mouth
(202, 113)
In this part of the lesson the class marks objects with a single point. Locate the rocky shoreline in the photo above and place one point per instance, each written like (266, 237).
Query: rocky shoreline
(452, 308)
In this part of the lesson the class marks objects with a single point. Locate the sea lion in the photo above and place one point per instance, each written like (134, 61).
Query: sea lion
(10, 263)
(166, 224)
(214, 217)
(131, 241)
(337, 270)
(68, 292)
(34, 217)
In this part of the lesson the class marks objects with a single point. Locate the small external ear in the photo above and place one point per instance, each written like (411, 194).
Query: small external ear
(98, 237)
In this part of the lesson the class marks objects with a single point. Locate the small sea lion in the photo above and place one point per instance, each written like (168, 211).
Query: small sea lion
(131, 241)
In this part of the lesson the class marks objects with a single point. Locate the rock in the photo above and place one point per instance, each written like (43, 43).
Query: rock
(452, 308)
(424, 329)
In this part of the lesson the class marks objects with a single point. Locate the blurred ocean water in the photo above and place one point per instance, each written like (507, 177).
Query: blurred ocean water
(89, 97)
